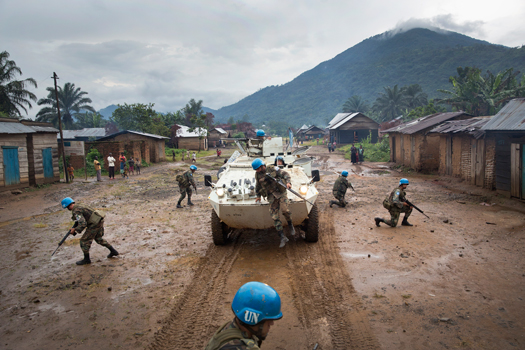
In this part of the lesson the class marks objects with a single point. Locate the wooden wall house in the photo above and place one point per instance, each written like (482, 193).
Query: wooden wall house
(410, 146)
(466, 152)
(191, 140)
(313, 133)
(347, 128)
(507, 129)
(215, 136)
(42, 153)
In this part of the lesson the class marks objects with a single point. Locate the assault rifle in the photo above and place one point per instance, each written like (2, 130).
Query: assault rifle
(65, 237)
(419, 210)
(280, 183)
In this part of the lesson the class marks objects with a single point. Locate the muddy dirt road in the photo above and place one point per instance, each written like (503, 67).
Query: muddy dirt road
(456, 280)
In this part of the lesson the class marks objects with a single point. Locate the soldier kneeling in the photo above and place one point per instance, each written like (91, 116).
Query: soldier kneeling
(395, 204)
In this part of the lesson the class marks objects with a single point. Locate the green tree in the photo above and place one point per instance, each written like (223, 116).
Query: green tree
(414, 96)
(72, 102)
(355, 104)
(390, 104)
(231, 120)
(13, 94)
(422, 111)
(199, 125)
(136, 117)
(90, 120)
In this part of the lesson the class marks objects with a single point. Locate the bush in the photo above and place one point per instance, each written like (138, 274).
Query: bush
(374, 152)
(90, 157)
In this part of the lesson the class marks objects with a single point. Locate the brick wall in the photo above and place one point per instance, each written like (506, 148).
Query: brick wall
(490, 163)
(466, 161)
(442, 154)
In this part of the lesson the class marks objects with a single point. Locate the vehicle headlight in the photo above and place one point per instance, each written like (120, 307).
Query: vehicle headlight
(220, 192)
(303, 189)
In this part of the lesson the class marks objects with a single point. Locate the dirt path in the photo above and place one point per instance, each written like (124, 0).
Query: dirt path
(455, 280)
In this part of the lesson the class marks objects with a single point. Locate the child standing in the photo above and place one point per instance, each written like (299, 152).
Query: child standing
(137, 166)
(131, 163)
(194, 158)
(70, 171)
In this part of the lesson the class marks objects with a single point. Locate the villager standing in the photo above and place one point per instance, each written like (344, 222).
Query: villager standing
(185, 181)
(111, 166)
(122, 160)
(339, 189)
(173, 153)
(137, 166)
(91, 220)
(131, 163)
(353, 154)
(361, 153)
(71, 172)
(98, 168)
(194, 157)
(256, 306)
(396, 204)
(266, 186)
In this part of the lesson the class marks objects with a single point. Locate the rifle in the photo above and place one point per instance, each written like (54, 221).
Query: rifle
(65, 237)
(419, 210)
(280, 183)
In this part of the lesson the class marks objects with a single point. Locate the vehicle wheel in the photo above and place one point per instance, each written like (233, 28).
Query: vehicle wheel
(312, 225)
(219, 231)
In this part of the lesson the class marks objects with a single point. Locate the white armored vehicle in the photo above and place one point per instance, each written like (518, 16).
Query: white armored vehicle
(233, 195)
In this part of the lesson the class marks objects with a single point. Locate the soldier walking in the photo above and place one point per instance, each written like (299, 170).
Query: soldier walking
(93, 222)
(339, 190)
(256, 306)
(186, 181)
(275, 193)
(395, 204)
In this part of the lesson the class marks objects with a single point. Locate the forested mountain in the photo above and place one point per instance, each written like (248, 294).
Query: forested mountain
(418, 56)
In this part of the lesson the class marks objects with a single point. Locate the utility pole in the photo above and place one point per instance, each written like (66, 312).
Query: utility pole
(66, 175)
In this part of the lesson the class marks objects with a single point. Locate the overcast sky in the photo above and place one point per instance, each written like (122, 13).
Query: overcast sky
(220, 51)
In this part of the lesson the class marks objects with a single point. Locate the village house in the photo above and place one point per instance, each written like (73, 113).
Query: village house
(465, 151)
(74, 143)
(507, 128)
(215, 136)
(311, 133)
(410, 145)
(347, 128)
(29, 153)
(192, 140)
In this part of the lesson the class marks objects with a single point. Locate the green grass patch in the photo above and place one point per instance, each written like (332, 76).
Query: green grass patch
(373, 152)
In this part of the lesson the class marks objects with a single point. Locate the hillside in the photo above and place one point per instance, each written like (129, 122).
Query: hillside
(417, 56)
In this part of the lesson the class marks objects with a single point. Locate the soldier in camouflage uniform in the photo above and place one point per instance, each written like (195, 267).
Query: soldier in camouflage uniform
(275, 193)
(184, 185)
(395, 204)
(339, 190)
(256, 306)
(91, 220)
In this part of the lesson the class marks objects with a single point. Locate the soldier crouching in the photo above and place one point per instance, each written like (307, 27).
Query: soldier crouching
(395, 204)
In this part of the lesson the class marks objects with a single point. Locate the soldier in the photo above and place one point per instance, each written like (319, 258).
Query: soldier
(279, 160)
(339, 190)
(185, 181)
(395, 204)
(256, 306)
(94, 221)
(275, 194)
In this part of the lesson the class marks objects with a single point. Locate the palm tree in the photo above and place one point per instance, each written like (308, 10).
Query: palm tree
(415, 97)
(355, 104)
(72, 102)
(390, 104)
(13, 93)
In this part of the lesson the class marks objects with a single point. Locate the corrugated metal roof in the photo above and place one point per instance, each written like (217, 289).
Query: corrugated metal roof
(423, 123)
(39, 128)
(184, 132)
(338, 117)
(91, 132)
(468, 126)
(158, 137)
(349, 116)
(220, 130)
(68, 134)
(15, 128)
(511, 117)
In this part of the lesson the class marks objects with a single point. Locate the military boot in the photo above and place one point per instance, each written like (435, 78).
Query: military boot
(189, 202)
(85, 261)
(378, 220)
(405, 222)
(292, 229)
(284, 240)
(112, 252)
(179, 206)
(332, 203)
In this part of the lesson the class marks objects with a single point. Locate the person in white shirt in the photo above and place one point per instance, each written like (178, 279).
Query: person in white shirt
(111, 166)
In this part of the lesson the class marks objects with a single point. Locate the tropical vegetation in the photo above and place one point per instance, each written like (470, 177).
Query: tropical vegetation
(14, 96)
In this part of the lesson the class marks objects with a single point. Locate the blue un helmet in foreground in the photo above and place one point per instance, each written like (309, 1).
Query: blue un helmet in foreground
(257, 163)
(260, 133)
(66, 202)
(255, 302)
(403, 182)
(193, 167)
(344, 173)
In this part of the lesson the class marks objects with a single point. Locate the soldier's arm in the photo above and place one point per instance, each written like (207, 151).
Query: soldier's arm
(78, 217)
(284, 175)
(396, 199)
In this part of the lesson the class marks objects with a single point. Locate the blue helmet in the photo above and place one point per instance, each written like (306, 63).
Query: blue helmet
(279, 158)
(403, 182)
(255, 302)
(66, 202)
(257, 163)
(193, 167)
(344, 173)
(260, 133)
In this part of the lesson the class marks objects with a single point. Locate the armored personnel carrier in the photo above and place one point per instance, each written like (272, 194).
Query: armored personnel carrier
(233, 195)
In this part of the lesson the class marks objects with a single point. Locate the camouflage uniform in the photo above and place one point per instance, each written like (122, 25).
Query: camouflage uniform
(339, 190)
(234, 340)
(394, 204)
(185, 186)
(95, 230)
(275, 193)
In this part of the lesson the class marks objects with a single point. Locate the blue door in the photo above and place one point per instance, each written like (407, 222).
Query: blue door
(11, 165)
(47, 159)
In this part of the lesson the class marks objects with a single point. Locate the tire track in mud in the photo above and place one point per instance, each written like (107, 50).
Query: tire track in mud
(323, 293)
(192, 316)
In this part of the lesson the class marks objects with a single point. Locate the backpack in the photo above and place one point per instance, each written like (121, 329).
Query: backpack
(181, 179)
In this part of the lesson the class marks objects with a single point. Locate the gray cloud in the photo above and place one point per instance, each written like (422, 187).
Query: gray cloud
(438, 23)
